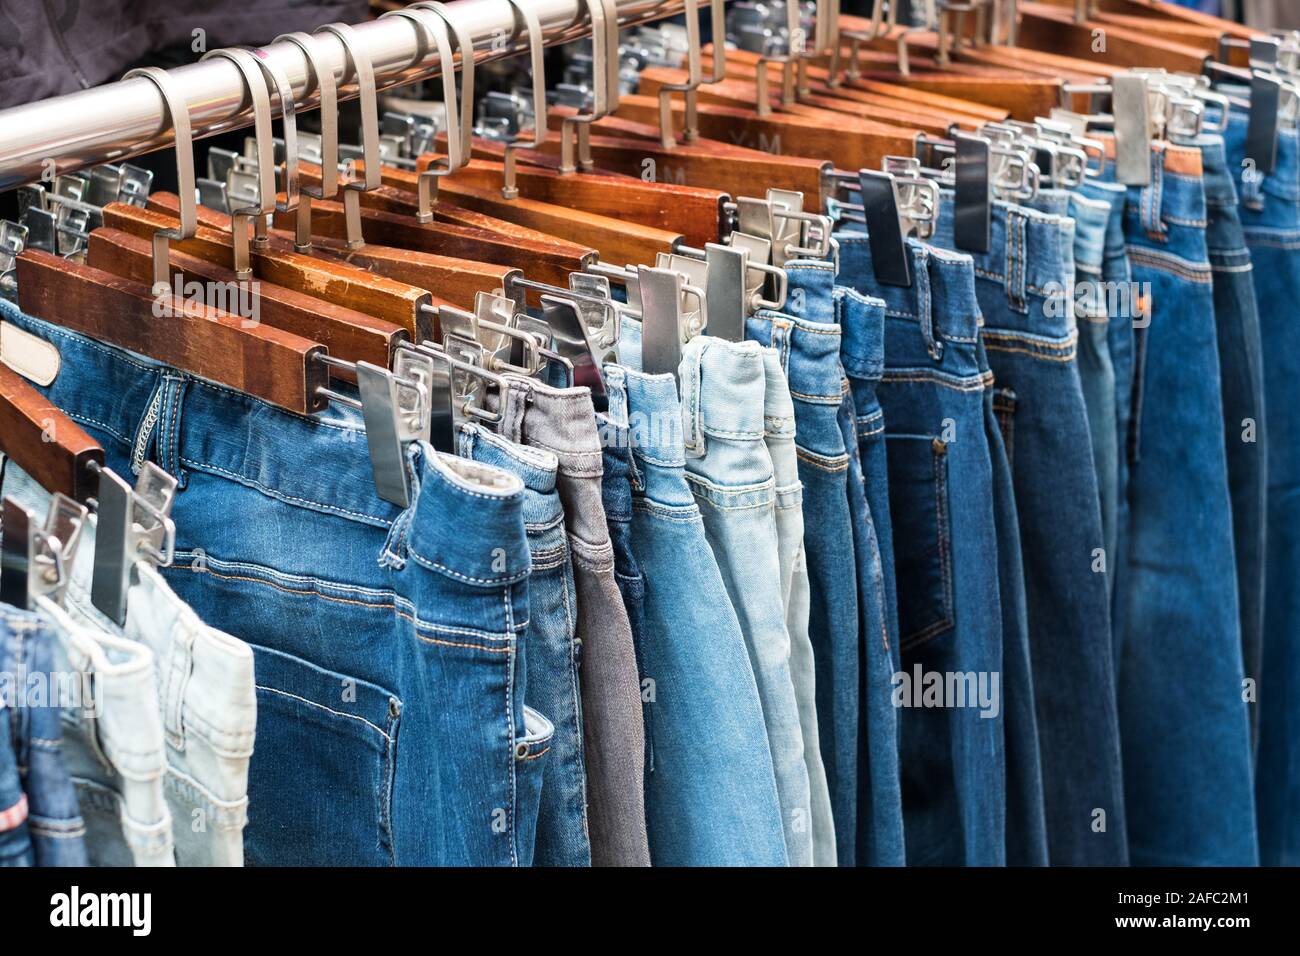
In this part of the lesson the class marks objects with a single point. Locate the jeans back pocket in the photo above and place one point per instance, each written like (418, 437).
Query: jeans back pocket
(918, 505)
(321, 779)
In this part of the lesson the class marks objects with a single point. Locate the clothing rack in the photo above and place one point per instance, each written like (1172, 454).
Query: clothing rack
(116, 121)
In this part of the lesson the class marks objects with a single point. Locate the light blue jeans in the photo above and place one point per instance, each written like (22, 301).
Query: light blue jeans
(730, 472)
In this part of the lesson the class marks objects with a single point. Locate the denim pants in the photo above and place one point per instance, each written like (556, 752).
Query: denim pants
(949, 690)
(551, 655)
(1182, 716)
(205, 691)
(1241, 371)
(42, 824)
(1030, 335)
(1096, 367)
(711, 797)
(809, 350)
(1270, 216)
(730, 473)
(15, 840)
(563, 421)
(779, 435)
(386, 641)
(862, 357)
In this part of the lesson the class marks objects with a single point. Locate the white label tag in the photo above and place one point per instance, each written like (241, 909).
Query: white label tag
(31, 357)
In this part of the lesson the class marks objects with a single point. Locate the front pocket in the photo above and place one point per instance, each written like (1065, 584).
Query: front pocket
(321, 778)
(918, 505)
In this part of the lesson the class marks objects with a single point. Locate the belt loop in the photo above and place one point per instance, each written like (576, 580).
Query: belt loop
(616, 394)
(168, 444)
(692, 414)
(1153, 195)
(180, 665)
(924, 302)
(514, 404)
(1017, 225)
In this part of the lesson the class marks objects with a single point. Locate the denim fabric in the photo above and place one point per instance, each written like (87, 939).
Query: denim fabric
(113, 744)
(563, 421)
(386, 642)
(15, 840)
(204, 690)
(1121, 347)
(711, 794)
(1270, 215)
(809, 350)
(1030, 335)
(879, 828)
(551, 654)
(1096, 369)
(1182, 716)
(779, 434)
(945, 556)
(730, 473)
(55, 834)
(616, 496)
(1026, 813)
(862, 354)
(1241, 371)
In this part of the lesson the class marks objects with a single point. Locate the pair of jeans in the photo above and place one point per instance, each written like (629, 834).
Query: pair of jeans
(15, 840)
(1120, 298)
(730, 473)
(563, 421)
(861, 321)
(931, 392)
(1182, 715)
(204, 690)
(551, 654)
(42, 822)
(1030, 336)
(711, 797)
(1096, 367)
(779, 434)
(1270, 217)
(814, 338)
(809, 351)
(1241, 370)
(386, 641)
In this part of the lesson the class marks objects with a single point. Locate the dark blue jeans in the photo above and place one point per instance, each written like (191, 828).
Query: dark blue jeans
(35, 740)
(1241, 371)
(1030, 334)
(862, 353)
(390, 724)
(945, 558)
(809, 344)
(1270, 216)
(1182, 715)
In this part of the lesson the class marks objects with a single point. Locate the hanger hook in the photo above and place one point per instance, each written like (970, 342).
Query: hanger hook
(178, 115)
(465, 43)
(329, 131)
(255, 85)
(273, 75)
(368, 95)
(694, 76)
(577, 129)
(537, 56)
(427, 184)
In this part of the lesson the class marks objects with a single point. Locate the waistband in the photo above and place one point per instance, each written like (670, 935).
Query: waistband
(1054, 202)
(809, 351)
(1091, 217)
(722, 387)
(140, 409)
(862, 319)
(1220, 186)
(648, 408)
(1256, 189)
(535, 467)
(1030, 252)
(941, 297)
(1180, 160)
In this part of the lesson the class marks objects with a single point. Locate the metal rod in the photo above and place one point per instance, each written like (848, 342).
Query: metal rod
(116, 121)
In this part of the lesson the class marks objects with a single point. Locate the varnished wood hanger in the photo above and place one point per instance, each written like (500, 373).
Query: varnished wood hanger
(44, 441)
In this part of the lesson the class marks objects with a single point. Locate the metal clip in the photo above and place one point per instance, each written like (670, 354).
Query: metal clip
(132, 525)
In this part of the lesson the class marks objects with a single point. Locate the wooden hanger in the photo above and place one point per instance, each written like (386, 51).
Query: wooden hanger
(44, 441)
(261, 360)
